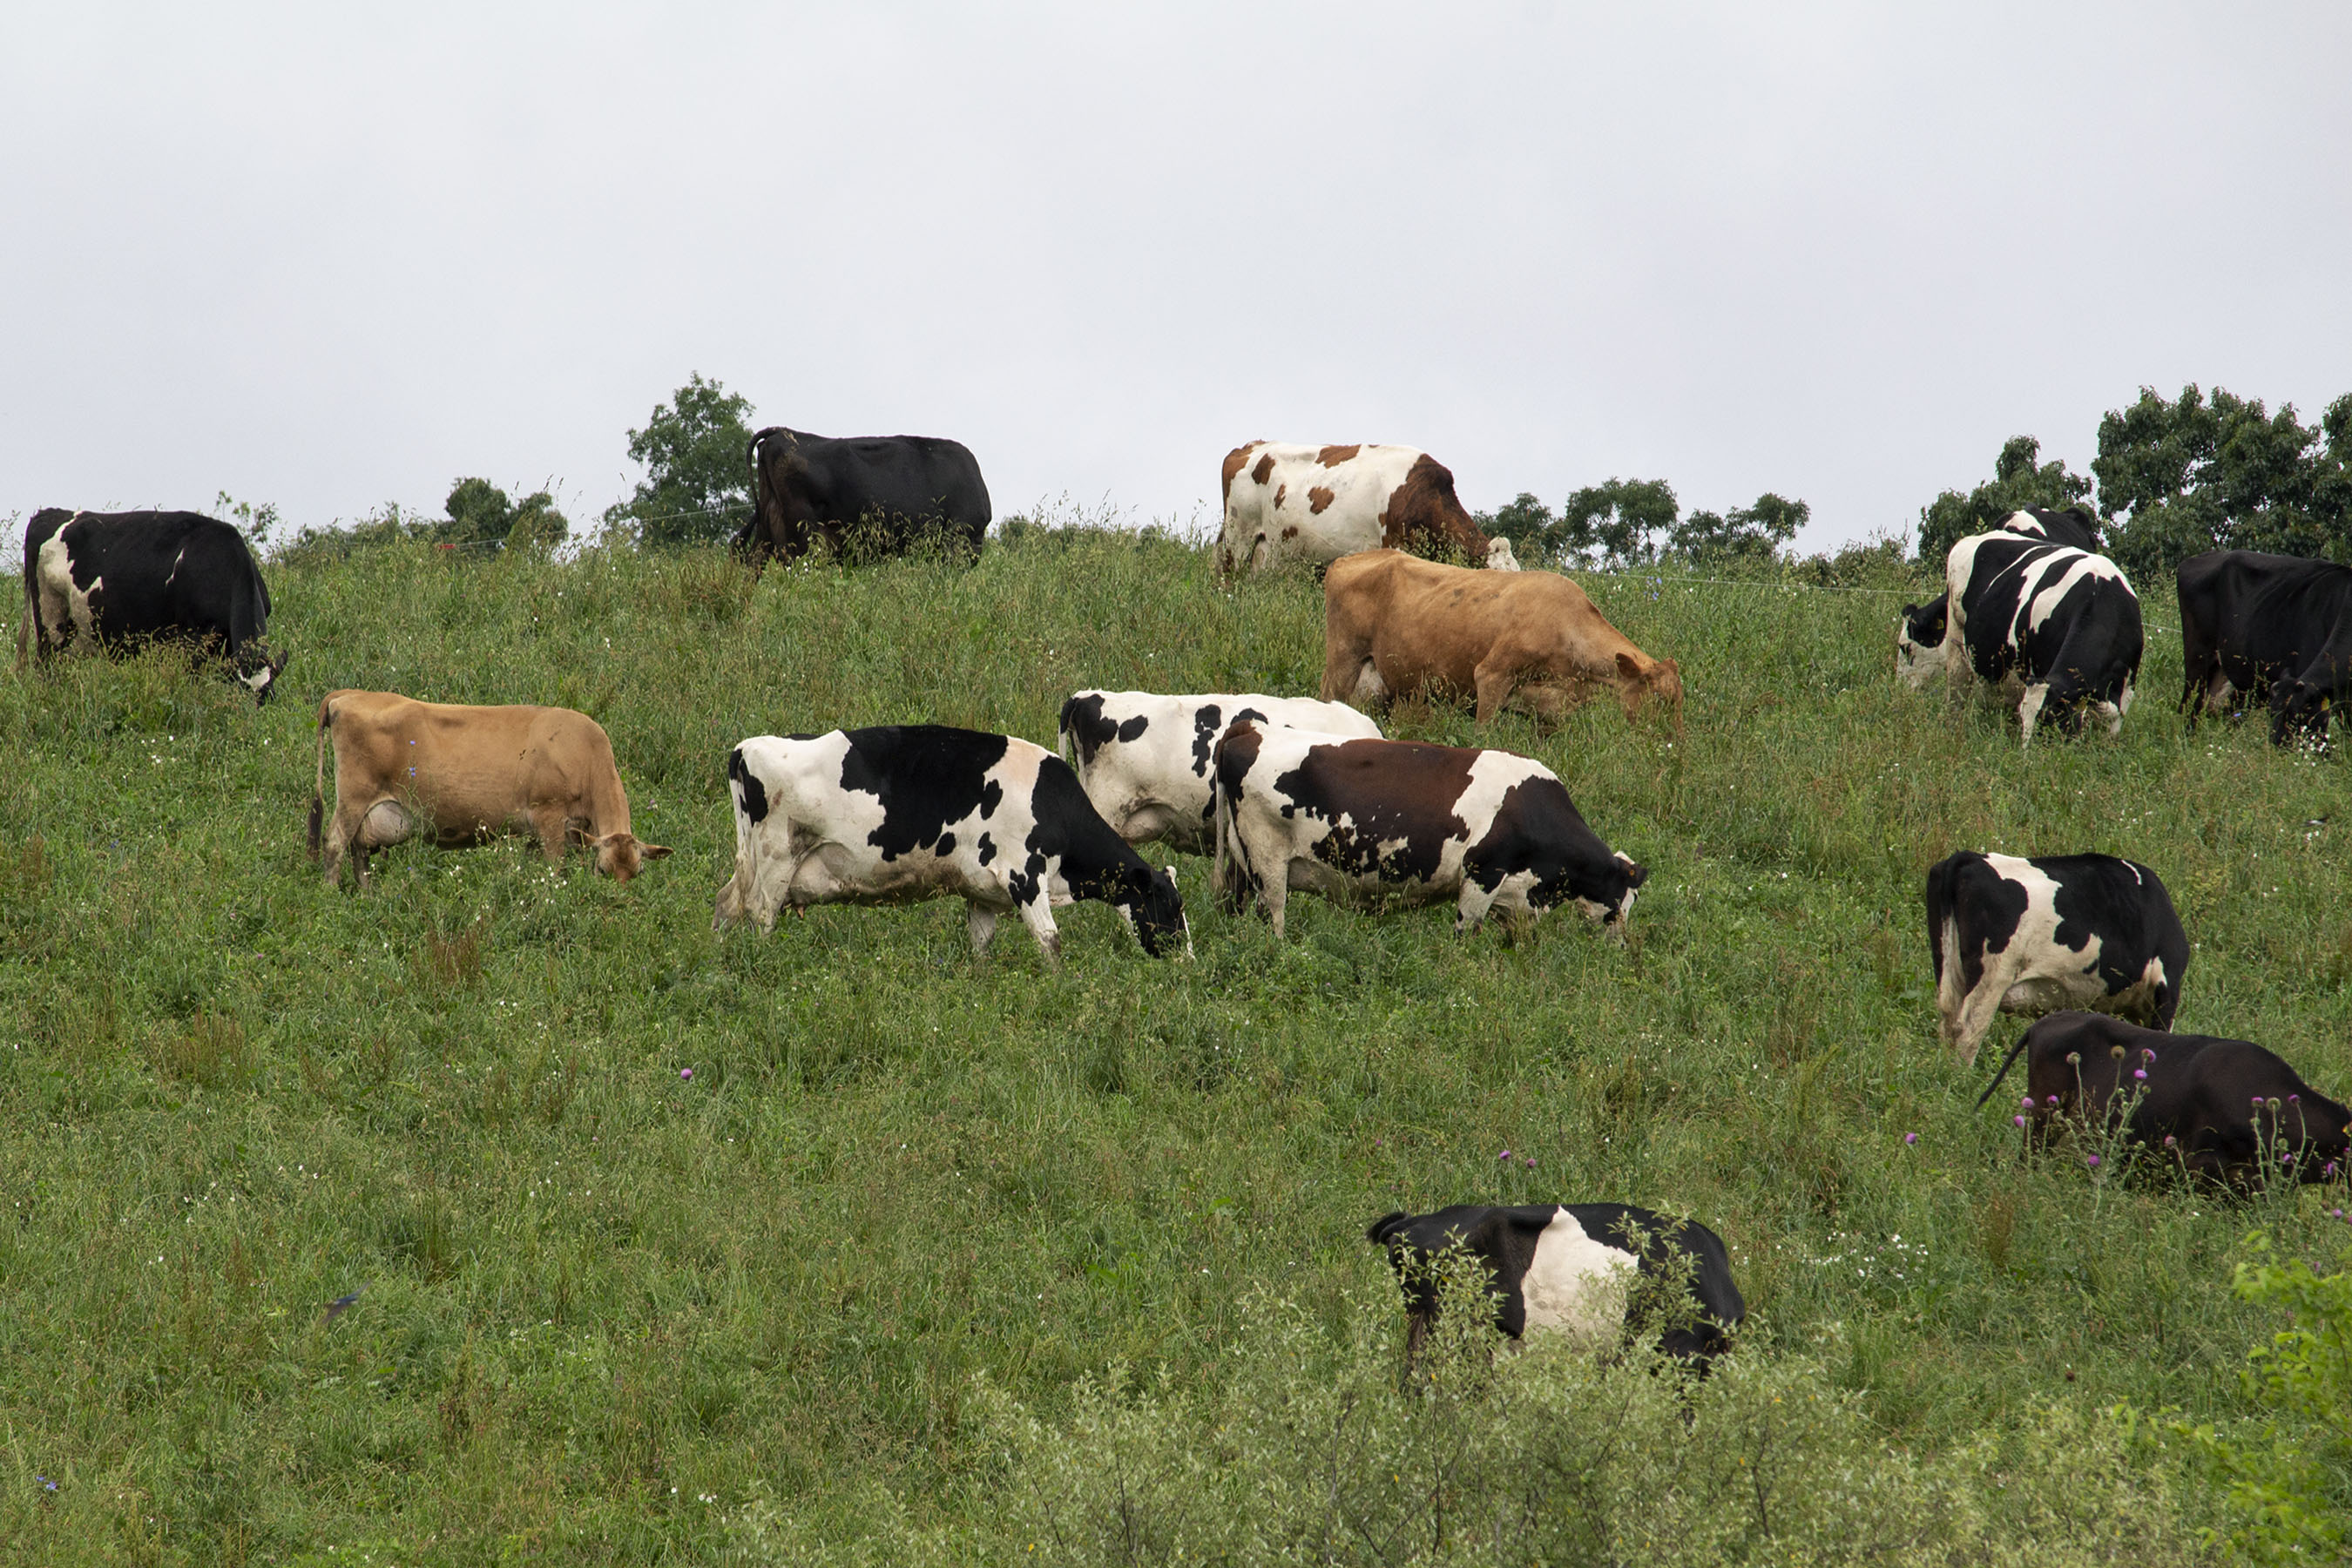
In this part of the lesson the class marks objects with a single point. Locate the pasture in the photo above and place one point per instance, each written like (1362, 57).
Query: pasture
(609, 1312)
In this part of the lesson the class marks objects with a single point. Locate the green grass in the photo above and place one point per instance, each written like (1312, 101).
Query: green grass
(595, 1296)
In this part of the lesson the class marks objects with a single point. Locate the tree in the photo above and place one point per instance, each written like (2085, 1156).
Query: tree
(1749, 534)
(480, 514)
(1620, 523)
(2198, 474)
(2016, 483)
(698, 483)
(1526, 521)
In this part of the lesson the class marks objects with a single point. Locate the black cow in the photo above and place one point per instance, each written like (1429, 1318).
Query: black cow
(2274, 627)
(902, 813)
(2226, 1108)
(95, 578)
(878, 494)
(1571, 1269)
(2052, 623)
(1374, 822)
(2013, 935)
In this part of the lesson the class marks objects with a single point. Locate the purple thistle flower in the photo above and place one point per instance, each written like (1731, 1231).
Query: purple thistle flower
(2140, 1073)
(2095, 1161)
(2054, 1101)
(2294, 1099)
(1530, 1162)
(2018, 1120)
(2029, 1102)
(2149, 1051)
(2258, 1102)
(1910, 1138)
(2169, 1141)
(1505, 1156)
(686, 1075)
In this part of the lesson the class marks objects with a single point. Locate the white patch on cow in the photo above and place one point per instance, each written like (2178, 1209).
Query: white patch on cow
(63, 610)
(259, 679)
(2050, 592)
(1577, 1285)
(1371, 691)
(170, 576)
(2029, 711)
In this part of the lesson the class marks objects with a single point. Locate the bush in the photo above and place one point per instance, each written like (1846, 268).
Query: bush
(2017, 482)
(698, 483)
(1320, 1448)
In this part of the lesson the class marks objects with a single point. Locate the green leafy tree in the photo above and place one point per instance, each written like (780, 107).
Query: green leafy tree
(479, 513)
(2017, 482)
(1526, 521)
(1747, 533)
(2205, 473)
(697, 487)
(1617, 524)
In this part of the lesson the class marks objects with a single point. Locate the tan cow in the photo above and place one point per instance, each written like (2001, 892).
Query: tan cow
(1395, 625)
(469, 772)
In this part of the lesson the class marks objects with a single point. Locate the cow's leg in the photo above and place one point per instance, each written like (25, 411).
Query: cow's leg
(1494, 679)
(552, 826)
(980, 922)
(2028, 708)
(1037, 914)
(1966, 1030)
(1470, 910)
(1274, 892)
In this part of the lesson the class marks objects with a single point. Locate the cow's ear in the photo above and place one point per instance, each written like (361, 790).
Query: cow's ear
(1910, 611)
(1627, 667)
(1636, 873)
(652, 851)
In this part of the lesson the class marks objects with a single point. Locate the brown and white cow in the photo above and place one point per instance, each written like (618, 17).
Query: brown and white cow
(1394, 625)
(1287, 503)
(1398, 822)
(463, 773)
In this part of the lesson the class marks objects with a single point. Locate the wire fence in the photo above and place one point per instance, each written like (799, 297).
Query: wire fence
(1661, 579)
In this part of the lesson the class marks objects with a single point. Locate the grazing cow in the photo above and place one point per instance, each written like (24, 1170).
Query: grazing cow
(1144, 759)
(96, 577)
(877, 493)
(903, 812)
(462, 774)
(1314, 504)
(2227, 1109)
(2275, 626)
(1571, 1269)
(2051, 625)
(1394, 625)
(1372, 822)
(2013, 935)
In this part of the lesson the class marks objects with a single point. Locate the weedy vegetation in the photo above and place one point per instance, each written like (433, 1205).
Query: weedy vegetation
(932, 1257)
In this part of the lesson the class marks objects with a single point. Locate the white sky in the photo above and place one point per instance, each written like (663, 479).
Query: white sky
(332, 256)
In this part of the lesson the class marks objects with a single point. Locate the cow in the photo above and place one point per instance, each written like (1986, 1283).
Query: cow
(904, 813)
(99, 578)
(2274, 627)
(1144, 759)
(1369, 822)
(880, 494)
(1394, 625)
(462, 774)
(1313, 504)
(2224, 1108)
(2051, 625)
(2030, 936)
(1572, 1268)
(2061, 525)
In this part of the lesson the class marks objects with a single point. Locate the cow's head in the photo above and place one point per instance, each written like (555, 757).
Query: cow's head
(257, 672)
(1604, 890)
(1499, 557)
(1919, 650)
(2299, 712)
(1155, 909)
(622, 854)
(1661, 682)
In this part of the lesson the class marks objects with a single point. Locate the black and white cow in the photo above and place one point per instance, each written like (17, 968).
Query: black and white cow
(1570, 1268)
(2053, 525)
(98, 578)
(876, 493)
(1369, 822)
(2266, 626)
(2029, 937)
(1144, 759)
(904, 813)
(2053, 625)
(2226, 1108)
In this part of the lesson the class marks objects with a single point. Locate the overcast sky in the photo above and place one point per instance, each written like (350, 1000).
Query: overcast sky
(330, 257)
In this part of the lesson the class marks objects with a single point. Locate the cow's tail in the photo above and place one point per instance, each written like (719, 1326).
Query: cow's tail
(2003, 1073)
(1941, 906)
(319, 787)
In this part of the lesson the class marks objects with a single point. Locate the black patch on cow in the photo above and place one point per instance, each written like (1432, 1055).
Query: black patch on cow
(1084, 724)
(751, 790)
(1096, 862)
(1984, 905)
(1384, 790)
(987, 850)
(1204, 735)
(1536, 829)
(2124, 905)
(926, 776)
(2070, 526)
(946, 846)
(157, 575)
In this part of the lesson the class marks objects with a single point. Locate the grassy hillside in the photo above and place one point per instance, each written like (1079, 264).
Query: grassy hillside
(602, 1305)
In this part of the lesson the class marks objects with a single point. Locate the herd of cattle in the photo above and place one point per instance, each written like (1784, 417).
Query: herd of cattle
(1293, 794)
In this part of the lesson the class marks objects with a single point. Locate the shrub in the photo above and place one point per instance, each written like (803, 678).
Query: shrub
(698, 483)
